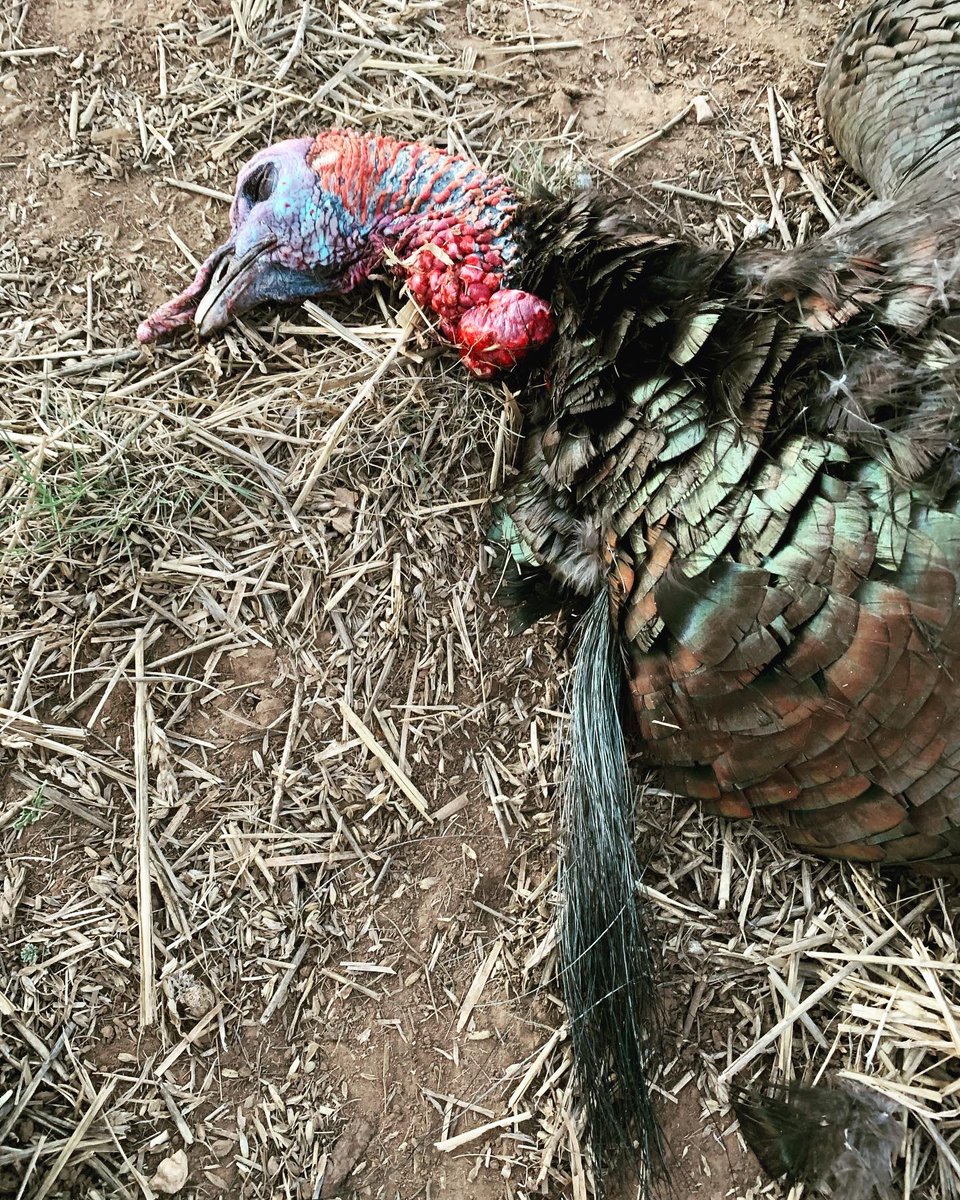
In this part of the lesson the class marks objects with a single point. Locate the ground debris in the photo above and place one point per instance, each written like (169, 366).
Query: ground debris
(344, 1155)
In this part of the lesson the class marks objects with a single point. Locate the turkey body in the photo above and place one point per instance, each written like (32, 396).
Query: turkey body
(756, 455)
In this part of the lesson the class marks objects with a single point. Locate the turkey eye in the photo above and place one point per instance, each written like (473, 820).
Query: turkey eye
(259, 184)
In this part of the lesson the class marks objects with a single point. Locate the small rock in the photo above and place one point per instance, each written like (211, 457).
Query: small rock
(171, 1174)
(702, 110)
(347, 1151)
(561, 104)
(191, 996)
(756, 228)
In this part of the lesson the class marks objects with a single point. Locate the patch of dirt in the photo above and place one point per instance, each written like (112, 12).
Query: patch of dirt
(627, 70)
(78, 24)
(709, 1160)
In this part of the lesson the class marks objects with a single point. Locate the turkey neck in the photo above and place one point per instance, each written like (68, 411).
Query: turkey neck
(446, 227)
(404, 196)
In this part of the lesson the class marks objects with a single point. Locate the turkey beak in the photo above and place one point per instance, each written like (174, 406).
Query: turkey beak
(182, 309)
(232, 287)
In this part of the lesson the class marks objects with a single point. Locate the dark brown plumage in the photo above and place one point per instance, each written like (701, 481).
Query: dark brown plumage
(840, 1139)
(756, 454)
(752, 459)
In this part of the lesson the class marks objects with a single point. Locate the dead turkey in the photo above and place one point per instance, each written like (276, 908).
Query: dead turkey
(743, 469)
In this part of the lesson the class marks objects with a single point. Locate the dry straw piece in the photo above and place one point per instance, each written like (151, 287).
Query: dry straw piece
(277, 794)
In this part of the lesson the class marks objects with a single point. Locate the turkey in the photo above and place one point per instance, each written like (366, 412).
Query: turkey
(739, 469)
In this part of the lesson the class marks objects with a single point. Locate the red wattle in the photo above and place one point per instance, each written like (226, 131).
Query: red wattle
(495, 335)
(457, 275)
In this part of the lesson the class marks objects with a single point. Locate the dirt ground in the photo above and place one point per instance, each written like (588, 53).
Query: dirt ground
(240, 663)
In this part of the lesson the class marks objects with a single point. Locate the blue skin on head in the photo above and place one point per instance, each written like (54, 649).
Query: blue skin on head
(313, 216)
(291, 238)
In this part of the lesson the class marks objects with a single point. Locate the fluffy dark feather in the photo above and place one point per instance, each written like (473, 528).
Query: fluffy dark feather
(751, 462)
(840, 1140)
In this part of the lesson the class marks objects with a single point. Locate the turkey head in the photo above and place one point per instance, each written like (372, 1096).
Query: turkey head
(291, 238)
(313, 216)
